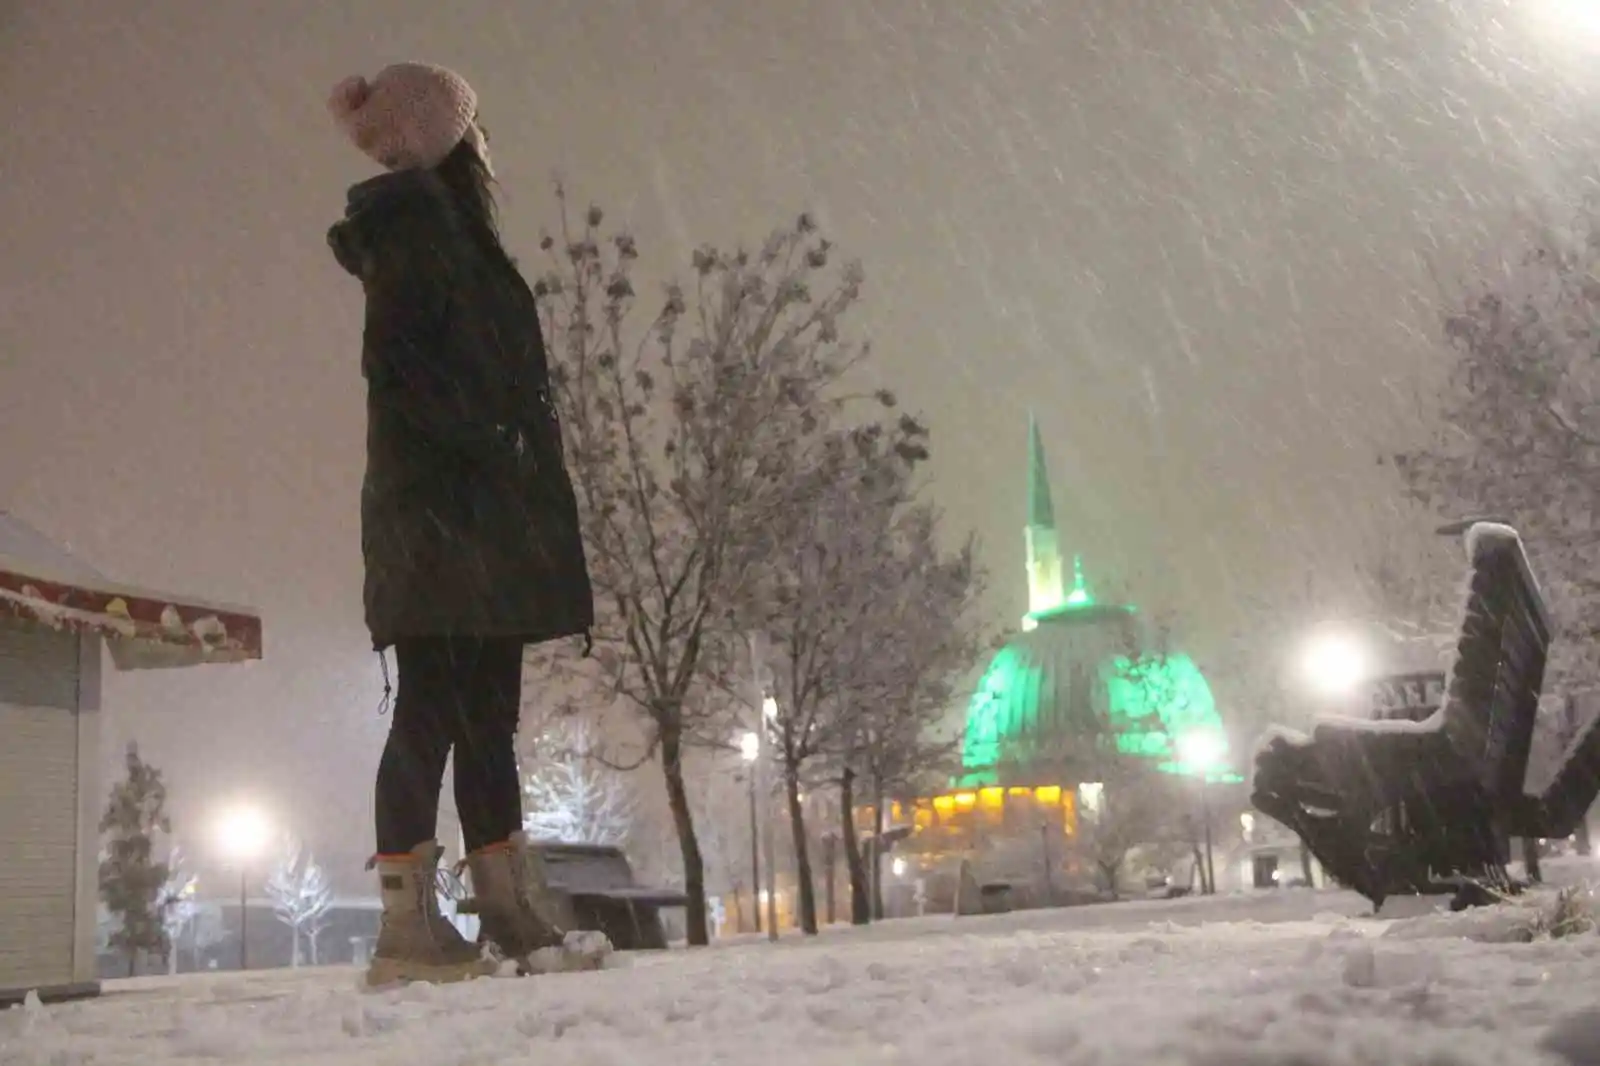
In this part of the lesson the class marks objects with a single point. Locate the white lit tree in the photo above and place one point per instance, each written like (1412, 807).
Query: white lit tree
(179, 908)
(300, 894)
(569, 792)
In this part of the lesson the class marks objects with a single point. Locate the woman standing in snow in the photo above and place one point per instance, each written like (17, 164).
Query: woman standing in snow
(469, 523)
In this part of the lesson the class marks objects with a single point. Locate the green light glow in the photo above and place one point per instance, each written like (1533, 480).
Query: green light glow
(1079, 596)
(1047, 691)
(1043, 689)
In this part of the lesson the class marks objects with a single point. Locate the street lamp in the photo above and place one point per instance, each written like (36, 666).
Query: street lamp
(750, 751)
(1202, 751)
(243, 833)
(1570, 19)
(1333, 664)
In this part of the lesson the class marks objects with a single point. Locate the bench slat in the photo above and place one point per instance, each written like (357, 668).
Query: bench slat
(660, 897)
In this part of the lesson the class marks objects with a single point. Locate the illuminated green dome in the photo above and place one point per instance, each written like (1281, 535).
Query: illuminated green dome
(1045, 693)
(1076, 665)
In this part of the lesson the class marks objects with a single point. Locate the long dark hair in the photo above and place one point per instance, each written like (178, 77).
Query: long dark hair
(467, 176)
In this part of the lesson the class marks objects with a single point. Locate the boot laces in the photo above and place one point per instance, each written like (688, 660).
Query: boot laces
(447, 882)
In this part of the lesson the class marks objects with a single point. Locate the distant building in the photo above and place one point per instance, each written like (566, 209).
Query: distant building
(1075, 662)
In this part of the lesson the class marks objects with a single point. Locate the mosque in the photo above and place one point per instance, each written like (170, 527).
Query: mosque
(1075, 665)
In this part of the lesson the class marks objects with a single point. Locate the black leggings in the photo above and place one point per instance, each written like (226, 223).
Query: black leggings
(460, 693)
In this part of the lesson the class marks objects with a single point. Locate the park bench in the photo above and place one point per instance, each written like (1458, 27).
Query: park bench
(591, 886)
(1395, 807)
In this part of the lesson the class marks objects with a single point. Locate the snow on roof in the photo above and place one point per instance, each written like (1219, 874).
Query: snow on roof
(43, 584)
(24, 549)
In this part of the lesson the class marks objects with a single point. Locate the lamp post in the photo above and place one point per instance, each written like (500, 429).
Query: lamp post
(769, 711)
(750, 751)
(1202, 751)
(243, 832)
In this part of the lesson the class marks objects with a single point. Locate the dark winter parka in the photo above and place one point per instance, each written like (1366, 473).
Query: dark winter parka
(469, 526)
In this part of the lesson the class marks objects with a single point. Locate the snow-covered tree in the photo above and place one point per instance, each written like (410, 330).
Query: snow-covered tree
(1517, 436)
(1517, 432)
(915, 650)
(678, 431)
(1137, 806)
(569, 792)
(832, 560)
(132, 882)
(300, 894)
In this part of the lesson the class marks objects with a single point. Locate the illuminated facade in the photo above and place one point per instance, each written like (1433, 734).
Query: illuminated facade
(1074, 664)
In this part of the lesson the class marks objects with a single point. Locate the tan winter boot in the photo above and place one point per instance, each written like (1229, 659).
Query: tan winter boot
(516, 912)
(416, 941)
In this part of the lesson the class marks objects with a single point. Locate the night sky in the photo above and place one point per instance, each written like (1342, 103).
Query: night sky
(1205, 241)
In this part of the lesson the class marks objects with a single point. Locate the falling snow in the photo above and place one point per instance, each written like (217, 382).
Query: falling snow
(1207, 243)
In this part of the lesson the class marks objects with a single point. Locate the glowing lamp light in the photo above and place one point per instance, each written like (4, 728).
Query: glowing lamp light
(1568, 19)
(1334, 664)
(898, 866)
(750, 746)
(769, 708)
(243, 832)
(1202, 750)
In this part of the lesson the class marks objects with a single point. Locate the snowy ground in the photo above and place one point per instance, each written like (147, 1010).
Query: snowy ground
(1221, 982)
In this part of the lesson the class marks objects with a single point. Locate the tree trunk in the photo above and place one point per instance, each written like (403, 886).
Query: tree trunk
(860, 913)
(830, 862)
(802, 853)
(1305, 867)
(133, 963)
(877, 849)
(1108, 870)
(694, 867)
(1582, 836)
(1530, 859)
(1199, 859)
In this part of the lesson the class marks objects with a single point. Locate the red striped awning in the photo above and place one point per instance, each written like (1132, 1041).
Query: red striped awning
(144, 629)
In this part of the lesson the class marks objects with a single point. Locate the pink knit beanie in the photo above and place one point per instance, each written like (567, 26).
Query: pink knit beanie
(410, 115)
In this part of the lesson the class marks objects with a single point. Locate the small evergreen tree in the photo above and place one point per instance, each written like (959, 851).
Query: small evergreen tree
(133, 885)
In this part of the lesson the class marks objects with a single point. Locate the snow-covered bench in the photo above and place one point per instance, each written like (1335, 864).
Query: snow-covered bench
(1397, 807)
(592, 887)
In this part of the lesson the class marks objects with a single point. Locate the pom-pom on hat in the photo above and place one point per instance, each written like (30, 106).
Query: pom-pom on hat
(411, 115)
